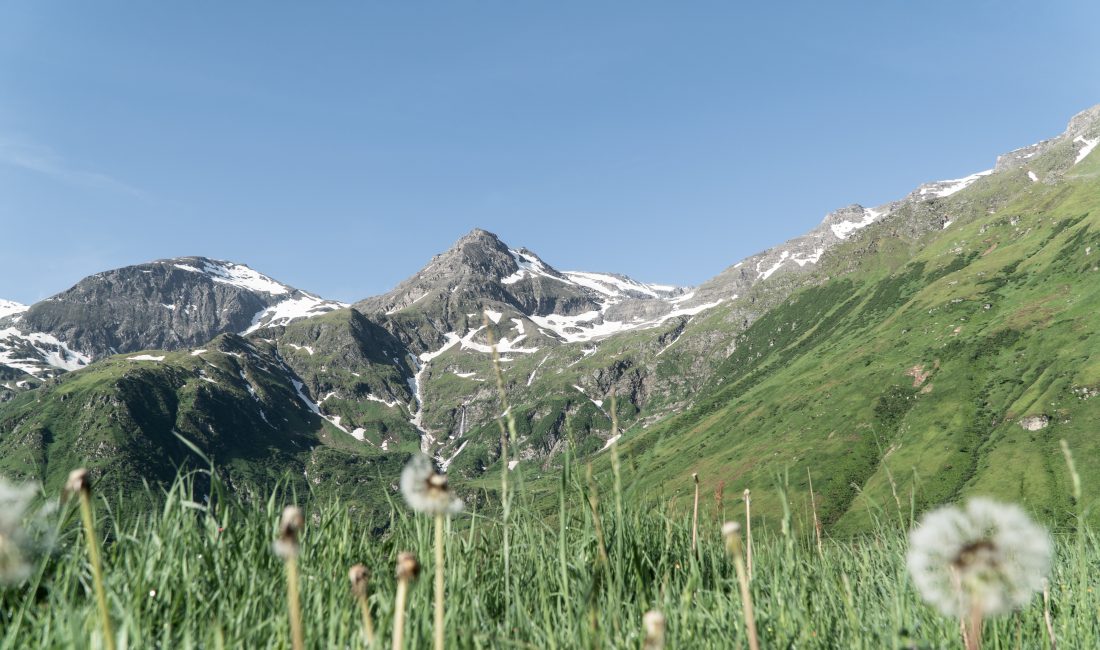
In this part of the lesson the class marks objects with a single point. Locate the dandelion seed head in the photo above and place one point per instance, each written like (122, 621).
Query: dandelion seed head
(290, 525)
(79, 481)
(987, 557)
(731, 528)
(15, 502)
(408, 568)
(358, 575)
(426, 490)
(653, 622)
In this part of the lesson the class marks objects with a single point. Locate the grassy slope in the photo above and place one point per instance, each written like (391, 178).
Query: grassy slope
(121, 417)
(189, 575)
(999, 309)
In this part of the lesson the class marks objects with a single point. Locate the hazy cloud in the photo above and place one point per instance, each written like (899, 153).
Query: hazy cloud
(42, 160)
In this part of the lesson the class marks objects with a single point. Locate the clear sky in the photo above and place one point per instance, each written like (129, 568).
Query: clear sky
(337, 146)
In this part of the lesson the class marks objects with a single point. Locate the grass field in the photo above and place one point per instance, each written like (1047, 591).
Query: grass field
(185, 574)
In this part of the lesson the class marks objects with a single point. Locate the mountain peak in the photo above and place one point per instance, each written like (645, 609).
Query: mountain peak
(231, 273)
(1084, 123)
(478, 234)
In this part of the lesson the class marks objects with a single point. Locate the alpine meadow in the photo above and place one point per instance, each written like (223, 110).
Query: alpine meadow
(882, 433)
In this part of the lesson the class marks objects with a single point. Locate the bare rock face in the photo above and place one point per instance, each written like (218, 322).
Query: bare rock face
(1035, 422)
(480, 272)
(167, 305)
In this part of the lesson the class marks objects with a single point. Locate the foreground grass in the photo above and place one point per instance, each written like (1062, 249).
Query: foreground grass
(191, 575)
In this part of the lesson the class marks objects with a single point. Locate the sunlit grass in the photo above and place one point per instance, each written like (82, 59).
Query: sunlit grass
(196, 575)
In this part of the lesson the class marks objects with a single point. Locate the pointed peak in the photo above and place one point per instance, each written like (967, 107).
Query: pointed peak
(479, 235)
(1084, 123)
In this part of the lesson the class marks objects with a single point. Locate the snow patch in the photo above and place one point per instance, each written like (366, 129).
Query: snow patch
(307, 348)
(941, 189)
(1034, 178)
(764, 275)
(844, 229)
(610, 441)
(389, 403)
(1087, 149)
(530, 266)
(46, 348)
(444, 464)
(237, 275)
(291, 309)
(10, 308)
(615, 287)
(533, 372)
(146, 357)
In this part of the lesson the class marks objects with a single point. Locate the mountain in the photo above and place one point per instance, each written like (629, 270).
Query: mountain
(481, 272)
(928, 344)
(167, 304)
(127, 416)
(942, 351)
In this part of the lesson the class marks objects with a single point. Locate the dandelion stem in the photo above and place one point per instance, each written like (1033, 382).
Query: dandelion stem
(368, 624)
(731, 531)
(438, 628)
(974, 631)
(1046, 615)
(359, 577)
(294, 603)
(817, 522)
(695, 514)
(97, 566)
(594, 504)
(748, 530)
(399, 614)
(505, 498)
(408, 568)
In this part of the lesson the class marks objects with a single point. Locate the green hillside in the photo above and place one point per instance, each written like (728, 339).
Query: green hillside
(918, 375)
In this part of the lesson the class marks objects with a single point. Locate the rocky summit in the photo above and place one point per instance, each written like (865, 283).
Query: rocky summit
(950, 334)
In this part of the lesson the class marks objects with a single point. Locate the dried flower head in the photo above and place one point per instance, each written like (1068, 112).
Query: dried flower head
(426, 490)
(290, 526)
(408, 568)
(731, 534)
(987, 558)
(358, 575)
(653, 622)
(79, 482)
(15, 542)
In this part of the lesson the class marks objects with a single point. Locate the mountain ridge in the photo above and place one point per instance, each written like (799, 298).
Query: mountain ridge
(409, 369)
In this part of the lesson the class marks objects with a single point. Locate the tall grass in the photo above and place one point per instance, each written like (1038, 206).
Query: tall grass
(194, 574)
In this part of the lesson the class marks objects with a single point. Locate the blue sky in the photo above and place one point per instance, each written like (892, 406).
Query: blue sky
(337, 146)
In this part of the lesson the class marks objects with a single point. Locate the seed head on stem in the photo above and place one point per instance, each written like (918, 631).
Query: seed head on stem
(79, 485)
(287, 547)
(359, 576)
(695, 513)
(731, 533)
(653, 622)
(15, 543)
(407, 570)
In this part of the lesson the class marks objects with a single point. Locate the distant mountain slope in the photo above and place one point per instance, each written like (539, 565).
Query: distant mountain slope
(167, 304)
(924, 334)
(234, 399)
(943, 352)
